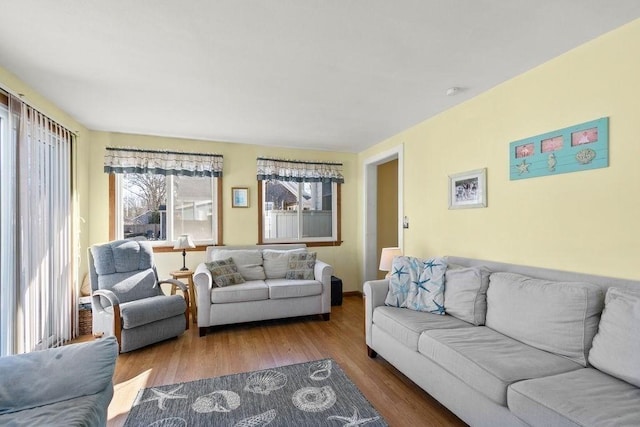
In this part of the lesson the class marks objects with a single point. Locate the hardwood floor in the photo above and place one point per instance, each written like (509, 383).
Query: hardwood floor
(247, 347)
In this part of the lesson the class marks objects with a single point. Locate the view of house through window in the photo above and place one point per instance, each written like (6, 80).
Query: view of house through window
(162, 207)
(299, 211)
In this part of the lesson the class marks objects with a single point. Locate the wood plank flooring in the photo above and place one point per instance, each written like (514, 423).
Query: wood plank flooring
(241, 348)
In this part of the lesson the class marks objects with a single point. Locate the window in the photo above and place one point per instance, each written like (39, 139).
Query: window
(162, 208)
(162, 194)
(299, 201)
(299, 211)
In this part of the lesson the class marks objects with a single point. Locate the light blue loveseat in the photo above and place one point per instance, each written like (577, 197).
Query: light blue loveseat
(65, 386)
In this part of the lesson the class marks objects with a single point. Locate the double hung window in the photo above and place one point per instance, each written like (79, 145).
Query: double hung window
(300, 201)
(172, 198)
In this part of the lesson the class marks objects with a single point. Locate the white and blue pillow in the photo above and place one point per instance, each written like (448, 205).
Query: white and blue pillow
(417, 284)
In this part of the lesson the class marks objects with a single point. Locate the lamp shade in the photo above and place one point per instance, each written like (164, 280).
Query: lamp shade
(386, 257)
(184, 242)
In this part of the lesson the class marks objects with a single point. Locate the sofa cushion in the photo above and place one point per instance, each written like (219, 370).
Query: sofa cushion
(287, 288)
(427, 293)
(417, 284)
(122, 256)
(81, 411)
(276, 263)
(616, 346)
(559, 317)
(465, 293)
(406, 325)
(584, 397)
(251, 290)
(147, 310)
(248, 261)
(489, 361)
(21, 389)
(130, 286)
(224, 272)
(301, 266)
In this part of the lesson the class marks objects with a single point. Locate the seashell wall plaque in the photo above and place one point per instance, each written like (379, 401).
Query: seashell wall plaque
(572, 149)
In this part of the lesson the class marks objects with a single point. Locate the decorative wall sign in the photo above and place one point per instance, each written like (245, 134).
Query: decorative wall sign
(576, 148)
(468, 189)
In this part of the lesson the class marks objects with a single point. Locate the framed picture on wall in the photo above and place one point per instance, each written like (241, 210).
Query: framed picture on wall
(240, 197)
(468, 189)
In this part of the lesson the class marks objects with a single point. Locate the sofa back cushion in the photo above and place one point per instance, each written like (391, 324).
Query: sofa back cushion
(559, 317)
(276, 262)
(465, 293)
(616, 346)
(248, 261)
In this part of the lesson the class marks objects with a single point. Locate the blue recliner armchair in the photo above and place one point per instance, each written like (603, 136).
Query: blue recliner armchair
(127, 299)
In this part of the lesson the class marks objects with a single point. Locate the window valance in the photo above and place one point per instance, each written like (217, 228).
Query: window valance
(131, 160)
(299, 171)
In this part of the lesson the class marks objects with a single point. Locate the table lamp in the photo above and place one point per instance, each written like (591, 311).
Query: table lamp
(184, 242)
(386, 259)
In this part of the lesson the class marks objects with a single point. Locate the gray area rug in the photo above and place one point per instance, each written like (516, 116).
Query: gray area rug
(306, 394)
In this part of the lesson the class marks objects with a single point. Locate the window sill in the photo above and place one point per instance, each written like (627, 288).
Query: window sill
(168, 247)
(309, 244)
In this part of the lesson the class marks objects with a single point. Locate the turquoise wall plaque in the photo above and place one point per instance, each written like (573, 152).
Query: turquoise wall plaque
(576, 148)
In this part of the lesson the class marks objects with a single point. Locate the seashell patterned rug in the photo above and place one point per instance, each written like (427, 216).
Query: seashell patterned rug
(315, 393)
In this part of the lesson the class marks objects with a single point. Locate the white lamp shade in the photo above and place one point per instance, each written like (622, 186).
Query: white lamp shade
(184, 242)
(386, 257)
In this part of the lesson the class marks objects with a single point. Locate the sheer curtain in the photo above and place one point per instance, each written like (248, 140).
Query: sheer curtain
(36, 292)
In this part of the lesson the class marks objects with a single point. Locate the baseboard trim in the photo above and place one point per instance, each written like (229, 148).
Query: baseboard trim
(352, 294)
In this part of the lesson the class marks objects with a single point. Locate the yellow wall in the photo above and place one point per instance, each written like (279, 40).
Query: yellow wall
(387, 209)
(240, 226)
(584, 221)
(81, 153)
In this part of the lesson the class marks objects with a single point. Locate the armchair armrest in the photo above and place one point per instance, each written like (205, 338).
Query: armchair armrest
(105, 293)
(44, 377)
(375, 292)
(178, 283)
(203, 282)
(323, 272)
(101, 313)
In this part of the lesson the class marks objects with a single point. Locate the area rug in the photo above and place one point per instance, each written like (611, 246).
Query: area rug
(306, 394)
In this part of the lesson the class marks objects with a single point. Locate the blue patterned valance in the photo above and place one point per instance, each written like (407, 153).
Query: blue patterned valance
(131, 160)
(299, 171)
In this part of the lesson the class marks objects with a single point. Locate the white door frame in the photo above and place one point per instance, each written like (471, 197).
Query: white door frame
(370, 231)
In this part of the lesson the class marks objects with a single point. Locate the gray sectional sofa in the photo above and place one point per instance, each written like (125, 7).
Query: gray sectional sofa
(265, 293)
(519, 345)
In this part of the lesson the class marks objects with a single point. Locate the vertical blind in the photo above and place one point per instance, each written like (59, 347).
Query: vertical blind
(36, 294)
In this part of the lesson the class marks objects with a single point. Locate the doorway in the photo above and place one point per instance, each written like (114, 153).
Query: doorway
(381, 226)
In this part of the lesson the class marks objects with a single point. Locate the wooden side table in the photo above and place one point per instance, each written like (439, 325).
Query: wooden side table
(188, 274)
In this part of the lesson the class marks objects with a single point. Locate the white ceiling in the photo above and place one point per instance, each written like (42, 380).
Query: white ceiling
(338, 75)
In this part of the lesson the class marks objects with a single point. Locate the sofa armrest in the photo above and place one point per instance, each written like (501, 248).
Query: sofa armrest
(375, 292)
(49, 376)
(203, 282)
(323, 272)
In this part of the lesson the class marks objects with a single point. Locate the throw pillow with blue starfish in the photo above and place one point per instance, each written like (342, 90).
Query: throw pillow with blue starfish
(427, 292)
(404, 271)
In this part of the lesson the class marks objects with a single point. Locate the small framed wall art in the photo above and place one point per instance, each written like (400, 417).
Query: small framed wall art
(572, 149)
(240, 197)
(468, 189)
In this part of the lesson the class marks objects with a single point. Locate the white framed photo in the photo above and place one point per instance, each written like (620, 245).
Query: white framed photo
(468, 189)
